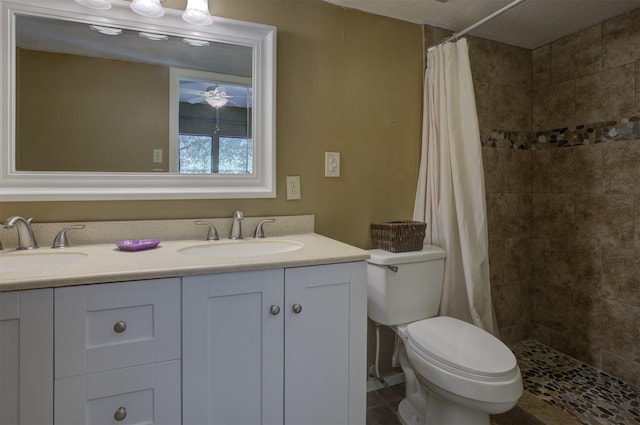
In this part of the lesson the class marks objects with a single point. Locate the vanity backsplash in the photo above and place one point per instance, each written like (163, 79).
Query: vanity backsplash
(101, 232)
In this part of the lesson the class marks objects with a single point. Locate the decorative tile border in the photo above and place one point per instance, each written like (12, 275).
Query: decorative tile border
(506, 139)
(600, 132)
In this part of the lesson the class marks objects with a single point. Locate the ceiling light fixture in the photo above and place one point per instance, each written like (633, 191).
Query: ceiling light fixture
(153, 36)
(106, 30)
(216, 102)
(216, 96)
(197, 12)
(148, 8)
(95, 4)
(196, 42)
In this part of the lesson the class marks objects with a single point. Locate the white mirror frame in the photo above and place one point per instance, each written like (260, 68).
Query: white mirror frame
(66, 186)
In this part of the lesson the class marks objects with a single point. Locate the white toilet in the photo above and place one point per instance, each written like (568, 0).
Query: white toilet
(455, 373)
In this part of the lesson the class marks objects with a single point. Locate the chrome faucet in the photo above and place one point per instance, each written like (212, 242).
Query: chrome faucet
(259, 233)
(213, 232)
(236, 226)
(26, 240)
(61, 240)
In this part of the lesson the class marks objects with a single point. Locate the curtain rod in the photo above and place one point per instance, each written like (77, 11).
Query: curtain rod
(477, 24)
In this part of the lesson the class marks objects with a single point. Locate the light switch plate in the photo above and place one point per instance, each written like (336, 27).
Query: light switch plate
(332, 164)
(293, 188)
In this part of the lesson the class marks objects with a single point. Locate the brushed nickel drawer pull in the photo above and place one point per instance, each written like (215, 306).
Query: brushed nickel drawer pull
(120, 414)
(120, 326)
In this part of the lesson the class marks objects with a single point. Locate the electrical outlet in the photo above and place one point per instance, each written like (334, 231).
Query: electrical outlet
(332, 164)
(293, 188)
(157, 155)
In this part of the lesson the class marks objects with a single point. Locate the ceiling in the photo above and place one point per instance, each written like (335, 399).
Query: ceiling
(530, 24)
(75, 38)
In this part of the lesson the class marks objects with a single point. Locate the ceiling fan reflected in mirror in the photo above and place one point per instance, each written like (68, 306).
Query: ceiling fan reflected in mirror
(215, 96)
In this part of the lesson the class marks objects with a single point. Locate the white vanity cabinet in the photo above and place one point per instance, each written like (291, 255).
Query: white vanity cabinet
(117, 353)
(232, 348)
(325, 344)
(275, 346)
(278, 346)
(26, 357)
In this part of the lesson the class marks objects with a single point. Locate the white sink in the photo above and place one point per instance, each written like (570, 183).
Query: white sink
(37, 260)
(242, 248)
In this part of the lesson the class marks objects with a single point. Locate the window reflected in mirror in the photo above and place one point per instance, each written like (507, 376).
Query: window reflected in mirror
(214, 127)
(228, 155)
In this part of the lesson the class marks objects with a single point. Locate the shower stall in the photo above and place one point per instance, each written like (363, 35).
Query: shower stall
(560, 134)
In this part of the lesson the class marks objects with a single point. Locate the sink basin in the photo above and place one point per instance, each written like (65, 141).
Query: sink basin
(37, 260)
(242, 248)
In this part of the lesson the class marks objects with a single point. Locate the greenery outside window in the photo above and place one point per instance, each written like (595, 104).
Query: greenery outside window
(202, 154)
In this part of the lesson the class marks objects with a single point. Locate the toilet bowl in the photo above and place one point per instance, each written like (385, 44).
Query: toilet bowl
(455, 372)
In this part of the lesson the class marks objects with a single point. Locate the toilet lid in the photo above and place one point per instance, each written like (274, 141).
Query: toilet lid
(460, 346)
(385, 258)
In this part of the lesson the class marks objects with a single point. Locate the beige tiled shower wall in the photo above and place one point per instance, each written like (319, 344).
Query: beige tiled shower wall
(564, 222)
(586, 254)
(586, 199)
(502, 83)
(589, 76)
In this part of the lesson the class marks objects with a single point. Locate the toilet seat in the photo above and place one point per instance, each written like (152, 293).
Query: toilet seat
(464, 363)
(461, 348)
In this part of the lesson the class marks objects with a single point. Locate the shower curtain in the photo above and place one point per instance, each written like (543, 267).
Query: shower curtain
(450, 196)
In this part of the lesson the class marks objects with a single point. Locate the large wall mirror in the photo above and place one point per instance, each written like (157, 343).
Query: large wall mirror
(110, 105)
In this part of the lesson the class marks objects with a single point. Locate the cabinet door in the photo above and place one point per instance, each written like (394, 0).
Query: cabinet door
(111, 326)
(232, 367)
(147, 394)
(325, 344)
(26, 357)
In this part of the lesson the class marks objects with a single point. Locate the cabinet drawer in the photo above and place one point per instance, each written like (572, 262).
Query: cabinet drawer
(111, 326)
(137, 395)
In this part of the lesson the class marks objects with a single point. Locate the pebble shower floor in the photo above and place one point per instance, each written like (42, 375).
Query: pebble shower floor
(592, 396)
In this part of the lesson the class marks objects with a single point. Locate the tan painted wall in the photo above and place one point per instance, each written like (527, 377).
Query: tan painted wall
(347, 81)
(102, 107)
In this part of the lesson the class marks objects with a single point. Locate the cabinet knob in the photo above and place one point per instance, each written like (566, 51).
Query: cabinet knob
(120, 414)
(274, 309)
(297, 308)
(120, 326)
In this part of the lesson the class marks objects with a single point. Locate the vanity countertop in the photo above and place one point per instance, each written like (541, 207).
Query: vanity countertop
(106, 263)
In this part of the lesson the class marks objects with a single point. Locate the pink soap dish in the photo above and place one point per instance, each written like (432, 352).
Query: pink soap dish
(138, 244)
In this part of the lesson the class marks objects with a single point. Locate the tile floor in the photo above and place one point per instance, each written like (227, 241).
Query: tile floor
(382, 405)
(592, 396)
(559, 390)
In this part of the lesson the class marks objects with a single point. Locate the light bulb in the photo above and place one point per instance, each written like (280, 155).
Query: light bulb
(149, 8)
(196, 42)
(152, 36)
(216, 102)
(106, 30)
(197, 12)
(95, 4)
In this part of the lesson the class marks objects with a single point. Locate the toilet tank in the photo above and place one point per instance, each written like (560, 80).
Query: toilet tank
(404, 287)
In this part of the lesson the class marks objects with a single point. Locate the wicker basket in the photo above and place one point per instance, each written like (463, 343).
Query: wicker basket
(398, 236)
